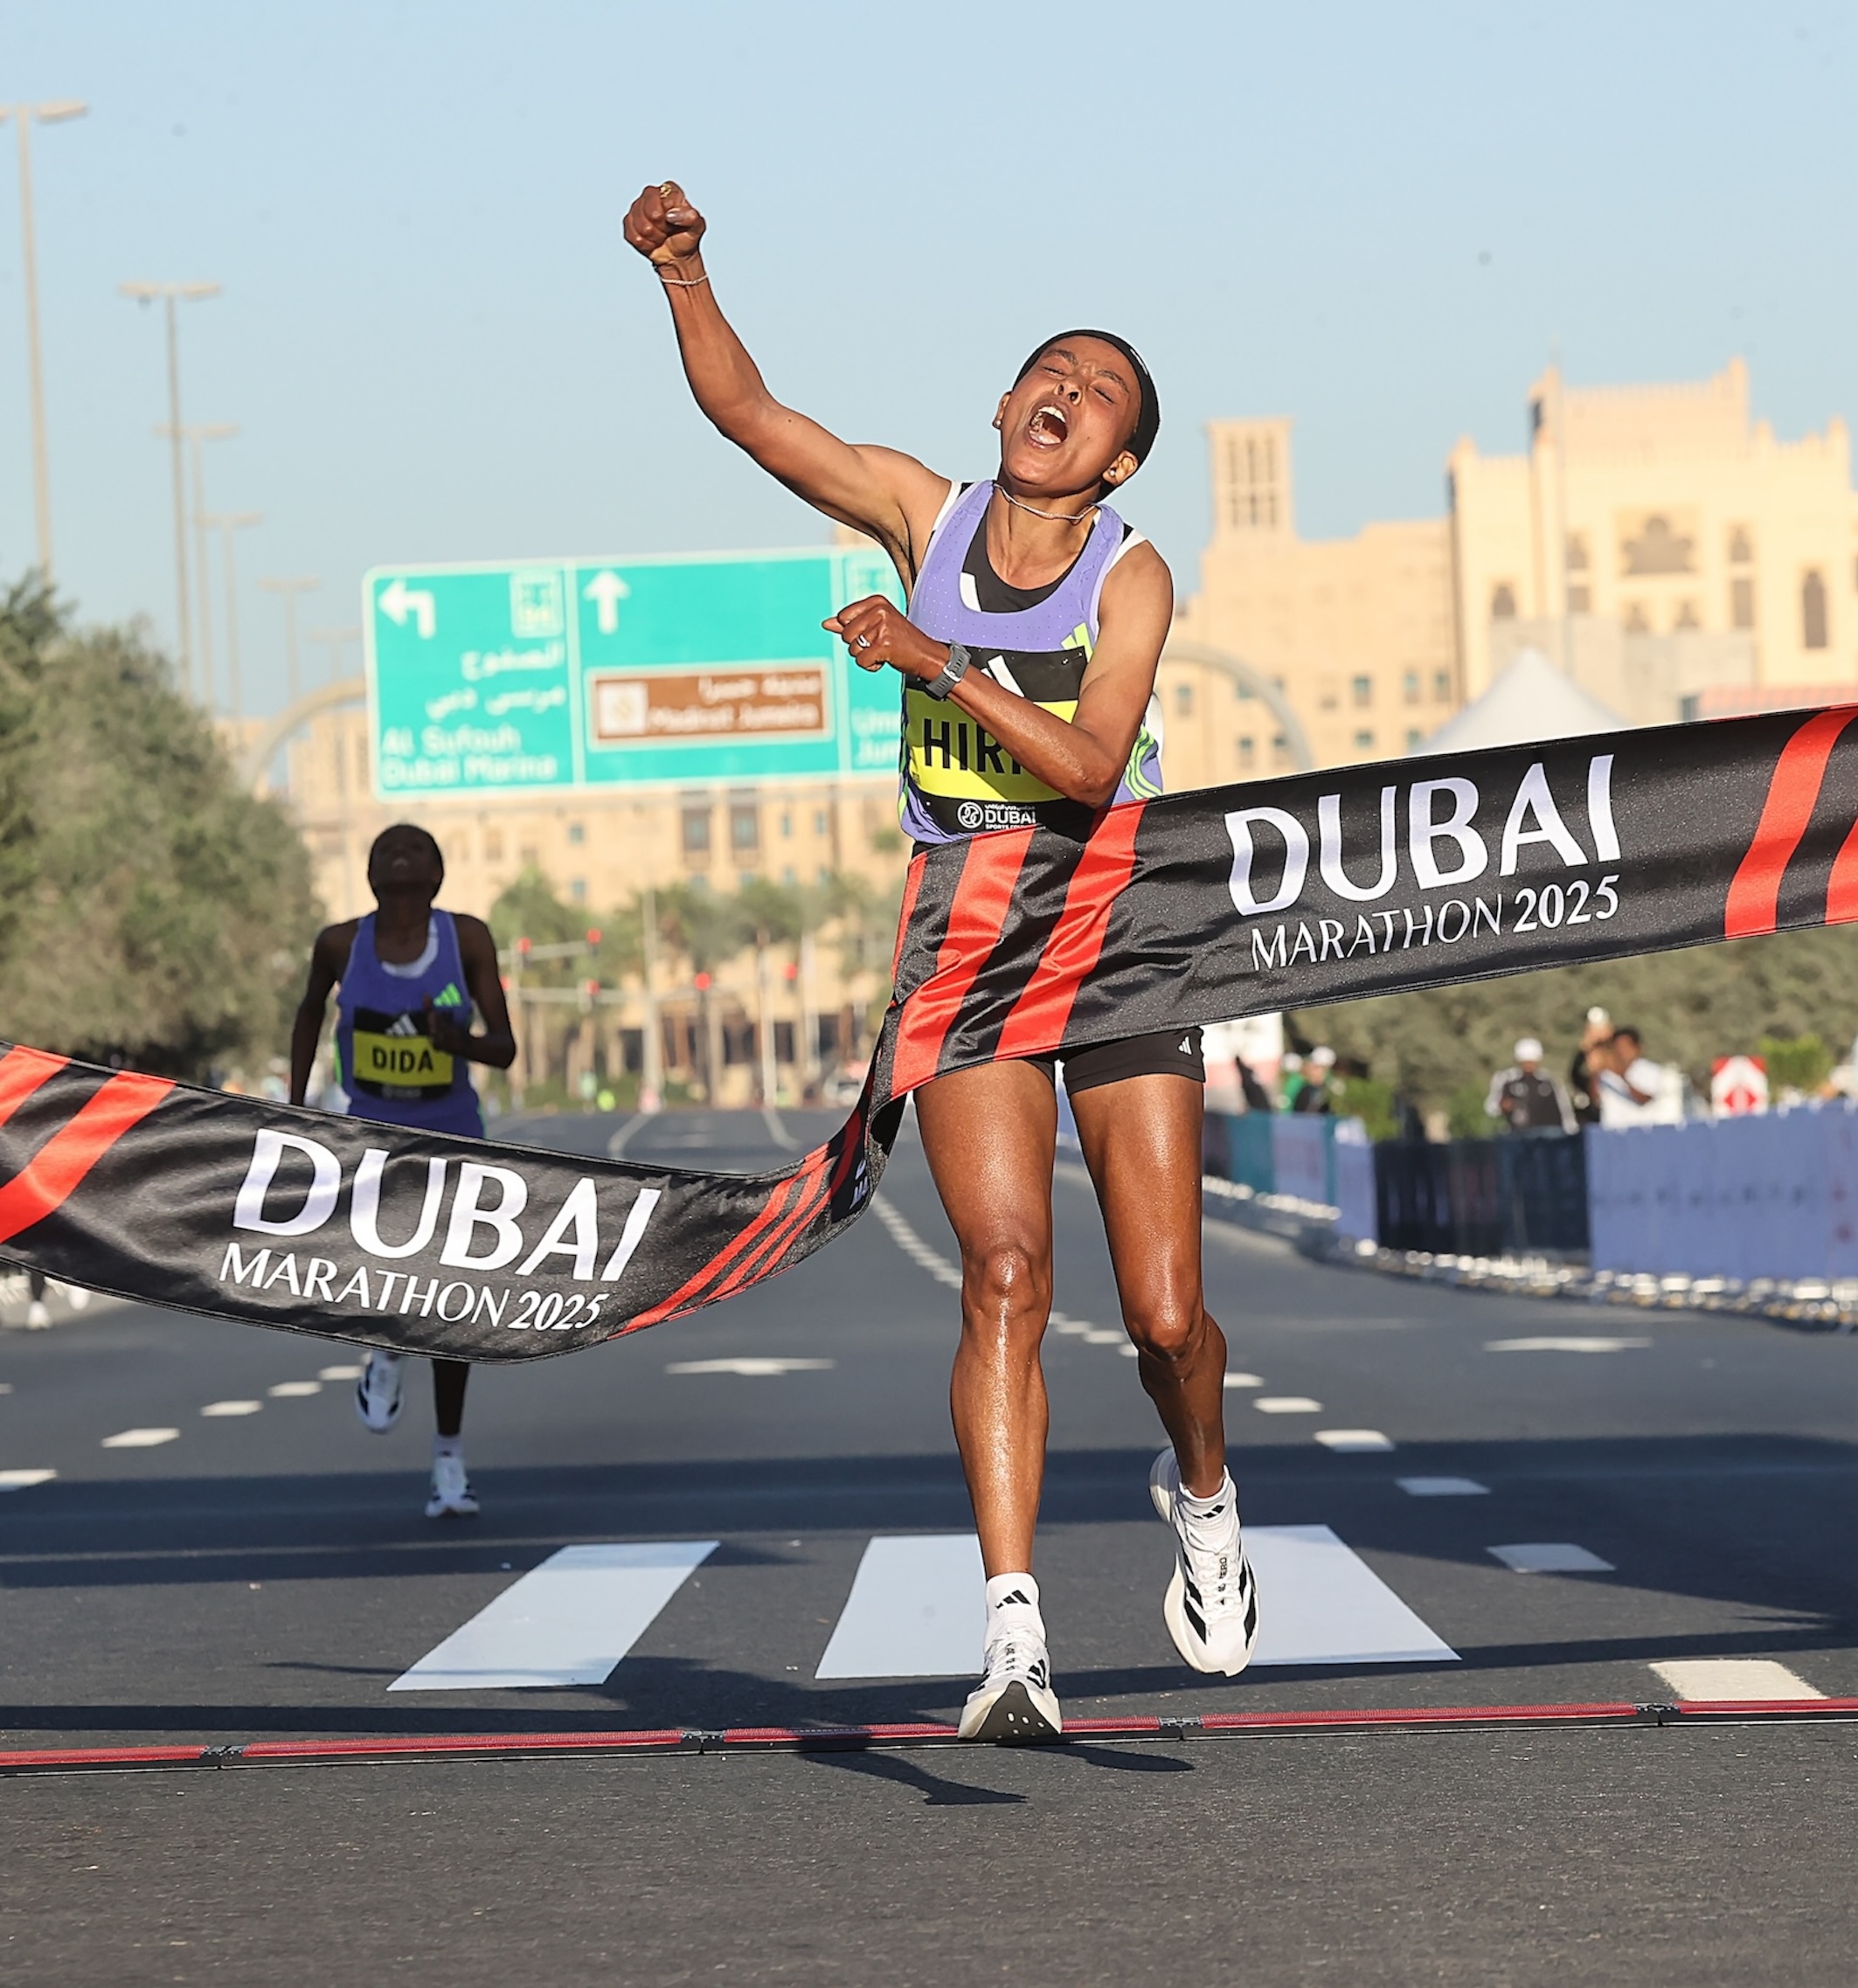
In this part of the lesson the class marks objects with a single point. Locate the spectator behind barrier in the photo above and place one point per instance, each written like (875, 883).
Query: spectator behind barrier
(1584, 1073)
(1525, 1100)
(1635, 1091)
(1316, 1093)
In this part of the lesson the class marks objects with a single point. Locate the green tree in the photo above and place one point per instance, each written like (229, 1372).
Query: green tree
(151, 908)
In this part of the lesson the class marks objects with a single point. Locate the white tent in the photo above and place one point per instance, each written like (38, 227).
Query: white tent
(1531, 700)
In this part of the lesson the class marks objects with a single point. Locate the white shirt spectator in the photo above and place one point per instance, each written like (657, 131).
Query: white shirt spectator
(1663, 1089)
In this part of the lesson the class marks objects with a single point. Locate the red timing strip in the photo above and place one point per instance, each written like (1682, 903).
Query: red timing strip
(685, 1739)
(1036, 1025)
(69, 1154)
(990, 870)
(1754, 895)
(21, 1071)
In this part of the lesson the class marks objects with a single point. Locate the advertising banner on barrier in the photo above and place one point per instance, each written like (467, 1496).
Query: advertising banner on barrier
(1222, 901)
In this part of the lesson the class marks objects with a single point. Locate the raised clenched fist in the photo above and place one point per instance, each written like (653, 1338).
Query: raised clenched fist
(664, 226)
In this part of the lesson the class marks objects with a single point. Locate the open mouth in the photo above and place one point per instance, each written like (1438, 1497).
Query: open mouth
(1048, 426)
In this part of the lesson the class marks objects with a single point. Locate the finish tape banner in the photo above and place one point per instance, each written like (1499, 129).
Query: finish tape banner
(1197, 907)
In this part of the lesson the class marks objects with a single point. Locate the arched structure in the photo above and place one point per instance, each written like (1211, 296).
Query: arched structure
(312, 703)
(1237, 670)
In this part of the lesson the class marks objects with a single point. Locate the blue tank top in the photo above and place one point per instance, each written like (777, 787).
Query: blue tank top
(956, 779)
(385, 1059)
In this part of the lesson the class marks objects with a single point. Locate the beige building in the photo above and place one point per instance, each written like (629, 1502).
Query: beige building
(1357, 632)
(1660, 544)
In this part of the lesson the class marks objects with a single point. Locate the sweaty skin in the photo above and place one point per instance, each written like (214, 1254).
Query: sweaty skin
(990, 1133)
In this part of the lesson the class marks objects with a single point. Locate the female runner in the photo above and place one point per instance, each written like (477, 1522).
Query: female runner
(1029, 655)
(409, 975)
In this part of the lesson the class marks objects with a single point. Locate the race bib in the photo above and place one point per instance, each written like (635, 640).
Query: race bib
(394, 1057)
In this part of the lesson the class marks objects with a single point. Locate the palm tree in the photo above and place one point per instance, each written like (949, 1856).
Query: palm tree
(708, 930)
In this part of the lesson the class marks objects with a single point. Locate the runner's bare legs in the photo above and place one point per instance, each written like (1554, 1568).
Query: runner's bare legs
(990, 1135)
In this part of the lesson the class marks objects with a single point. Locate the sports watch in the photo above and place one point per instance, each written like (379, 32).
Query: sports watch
(952, 672)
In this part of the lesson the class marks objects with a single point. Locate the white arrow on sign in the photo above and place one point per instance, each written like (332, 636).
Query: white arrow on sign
(398, 600)
(607, 591)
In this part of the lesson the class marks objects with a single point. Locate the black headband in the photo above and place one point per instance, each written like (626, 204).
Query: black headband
(1148, 416)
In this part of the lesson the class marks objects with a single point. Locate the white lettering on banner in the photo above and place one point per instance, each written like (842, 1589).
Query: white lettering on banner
(233, 1264)
(267, 1150)
(1296, 857)
(1329, 819)
(630, 1237)
(467, 1218)
(1599, 808)
(581, 1213)
(1424, 833)
(1532, 909)
(1532, 798)
(364, 1207)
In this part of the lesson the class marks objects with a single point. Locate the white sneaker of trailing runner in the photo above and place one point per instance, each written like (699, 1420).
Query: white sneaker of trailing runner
(378, 1394)
(451, 1495)
(37, 1315)
(1013, 1702)
(1211, 1604)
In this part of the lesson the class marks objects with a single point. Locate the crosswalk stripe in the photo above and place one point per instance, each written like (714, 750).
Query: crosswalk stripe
(915, 1610)
(1704, 1680)
(916, 1607)
(566, 1622)
(1320, 1602)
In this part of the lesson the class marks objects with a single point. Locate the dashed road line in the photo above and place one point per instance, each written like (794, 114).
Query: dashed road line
(1350, 1440)
(1550, 1556)
(24, 1480)
(755, 1368)
(292, 1391)
(1442, 1487)
(232, 1408)
(140, 1439)
(1704, 1680)
(1288, 1404)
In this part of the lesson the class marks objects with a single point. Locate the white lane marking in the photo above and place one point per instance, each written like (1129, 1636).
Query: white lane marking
(917, 1609)
(290, 1390)
(568, 1621)
(6, 1387)
(1550, 1556)
(140, 1439)
(777, 1132)
(1351, 1439)
(1244, 1380)
(232, 1408)
(1702, 1680)
(616, 1145)
(1131, 1352)
(1443, 1487)
(753, 1369)
(24, 1480)
(340, 1373)
(1286, 1404)
(1320, 1602)
(1098, 1335)
(1589, 1343)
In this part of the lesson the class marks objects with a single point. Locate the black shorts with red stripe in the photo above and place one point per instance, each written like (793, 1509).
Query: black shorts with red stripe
(1168, 1052)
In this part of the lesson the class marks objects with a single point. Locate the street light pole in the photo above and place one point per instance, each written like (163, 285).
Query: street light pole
(23, 115)
(169, 294)
(195, 433)
(334, 639)
(288, 590)
(228, 523)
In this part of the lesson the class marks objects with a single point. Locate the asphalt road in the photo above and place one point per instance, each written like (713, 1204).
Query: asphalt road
(270, 1573)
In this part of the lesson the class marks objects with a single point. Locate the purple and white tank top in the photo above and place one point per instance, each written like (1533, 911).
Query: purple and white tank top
(385, 1055)
(956, 779)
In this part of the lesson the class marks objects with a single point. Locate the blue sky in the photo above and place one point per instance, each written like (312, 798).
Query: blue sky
(1377, 219)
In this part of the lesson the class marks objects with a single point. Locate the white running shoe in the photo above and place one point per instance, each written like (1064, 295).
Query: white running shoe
(1211, 1604)
(37, 1317)
(1013, 1703)
(451, 1494)
(378, 1394)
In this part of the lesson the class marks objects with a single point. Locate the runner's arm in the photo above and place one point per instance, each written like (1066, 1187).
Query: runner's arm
(327, 957)
(497, 1045)
(881, 491)
(1082, 758)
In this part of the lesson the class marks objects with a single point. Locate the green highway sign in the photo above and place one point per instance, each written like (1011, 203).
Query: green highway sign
(676, 670)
